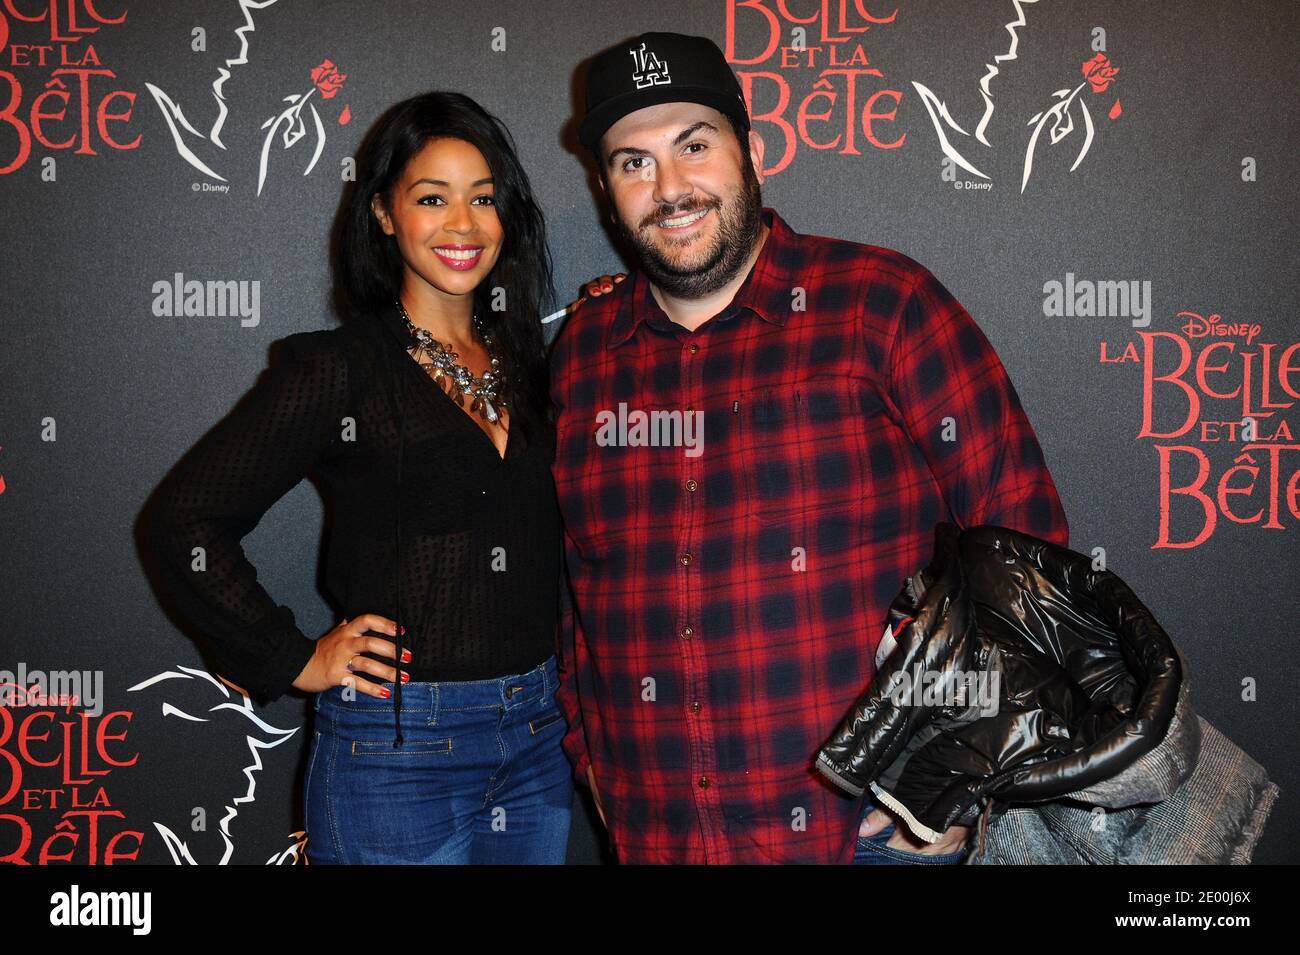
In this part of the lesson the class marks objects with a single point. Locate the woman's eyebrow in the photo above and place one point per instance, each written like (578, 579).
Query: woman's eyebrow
(443, 182)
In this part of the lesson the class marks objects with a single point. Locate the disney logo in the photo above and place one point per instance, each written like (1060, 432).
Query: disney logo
(1201, 326)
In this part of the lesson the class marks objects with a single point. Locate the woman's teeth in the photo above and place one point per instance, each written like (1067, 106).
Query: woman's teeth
(459, 253)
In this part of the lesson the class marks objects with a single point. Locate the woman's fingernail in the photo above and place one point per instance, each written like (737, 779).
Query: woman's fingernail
(406, 656)
(406, 677)
(385, 692)
(607, 288)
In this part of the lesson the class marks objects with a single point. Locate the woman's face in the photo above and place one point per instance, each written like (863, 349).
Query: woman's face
(444, 217)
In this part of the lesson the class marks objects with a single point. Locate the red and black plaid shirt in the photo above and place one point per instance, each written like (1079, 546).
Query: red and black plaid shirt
(727, 606)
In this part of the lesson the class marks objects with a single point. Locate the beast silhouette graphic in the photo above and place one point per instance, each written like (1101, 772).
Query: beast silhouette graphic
(211, 708)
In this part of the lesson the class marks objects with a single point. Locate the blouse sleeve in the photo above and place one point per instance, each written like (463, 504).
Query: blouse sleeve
(217, 494)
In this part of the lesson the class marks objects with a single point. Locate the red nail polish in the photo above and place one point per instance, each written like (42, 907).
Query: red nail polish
(401, 630)
(385, 692)
(406, 677)
(406, 656)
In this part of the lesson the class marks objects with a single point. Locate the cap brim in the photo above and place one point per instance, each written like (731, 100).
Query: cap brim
(597, 122)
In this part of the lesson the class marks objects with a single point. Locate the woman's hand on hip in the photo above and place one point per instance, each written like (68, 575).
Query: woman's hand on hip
(328, 666)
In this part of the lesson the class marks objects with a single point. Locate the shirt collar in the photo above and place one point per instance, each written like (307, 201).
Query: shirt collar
(766, 290)
(389, 316)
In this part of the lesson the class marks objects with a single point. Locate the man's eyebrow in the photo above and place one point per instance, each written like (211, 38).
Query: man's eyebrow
(443, 182)
(681, 137)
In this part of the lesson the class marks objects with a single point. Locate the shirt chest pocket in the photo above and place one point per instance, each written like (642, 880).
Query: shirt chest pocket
(618, 472)
(804, 449)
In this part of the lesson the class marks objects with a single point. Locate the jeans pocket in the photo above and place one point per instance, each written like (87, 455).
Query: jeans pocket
(876, 845)
(409, 747)
(539, 723)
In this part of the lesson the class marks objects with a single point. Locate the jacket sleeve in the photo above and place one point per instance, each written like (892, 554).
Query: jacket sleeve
(217, 494)
(987, 460)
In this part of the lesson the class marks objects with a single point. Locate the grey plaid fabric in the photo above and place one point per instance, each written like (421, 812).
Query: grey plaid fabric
(1213, 816)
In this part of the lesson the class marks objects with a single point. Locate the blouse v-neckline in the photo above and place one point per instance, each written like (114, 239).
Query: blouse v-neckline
(391, 317)
(461, 412)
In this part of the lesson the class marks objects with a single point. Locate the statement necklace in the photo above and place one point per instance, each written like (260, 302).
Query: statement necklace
(443, 363)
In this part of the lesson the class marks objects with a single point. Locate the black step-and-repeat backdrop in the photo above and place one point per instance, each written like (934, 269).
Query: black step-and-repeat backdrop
(1106, 186)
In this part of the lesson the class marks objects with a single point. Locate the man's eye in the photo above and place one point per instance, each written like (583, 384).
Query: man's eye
(701, 145)
(628, 168)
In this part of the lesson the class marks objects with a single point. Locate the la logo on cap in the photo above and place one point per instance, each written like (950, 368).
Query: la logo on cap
(650, 70)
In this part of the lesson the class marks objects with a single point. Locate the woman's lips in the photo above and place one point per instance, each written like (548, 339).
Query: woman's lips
(459, 257)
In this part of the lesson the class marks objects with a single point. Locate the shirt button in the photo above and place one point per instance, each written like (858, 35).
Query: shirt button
(704, 782)
(692, 484)
(686, 559)
(695, 707)
(694, 348)
(687, 633)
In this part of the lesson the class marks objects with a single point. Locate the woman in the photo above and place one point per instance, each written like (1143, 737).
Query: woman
(427, 416)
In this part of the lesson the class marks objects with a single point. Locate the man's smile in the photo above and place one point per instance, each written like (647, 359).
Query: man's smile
(684, 223)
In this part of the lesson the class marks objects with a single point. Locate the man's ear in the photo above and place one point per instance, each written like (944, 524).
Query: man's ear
(756, 154)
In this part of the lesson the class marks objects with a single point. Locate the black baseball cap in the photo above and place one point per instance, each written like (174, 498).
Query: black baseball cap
(656, 68)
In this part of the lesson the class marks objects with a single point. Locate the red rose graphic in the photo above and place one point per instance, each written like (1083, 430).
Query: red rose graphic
(1099, 73)
(327, 79)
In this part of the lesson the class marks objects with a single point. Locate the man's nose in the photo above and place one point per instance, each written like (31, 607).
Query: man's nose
(670, 186)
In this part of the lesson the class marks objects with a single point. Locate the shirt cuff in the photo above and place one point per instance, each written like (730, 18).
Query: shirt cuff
(274, 656)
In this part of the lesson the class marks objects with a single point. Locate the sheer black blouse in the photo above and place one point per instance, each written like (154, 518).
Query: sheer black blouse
(480, 534)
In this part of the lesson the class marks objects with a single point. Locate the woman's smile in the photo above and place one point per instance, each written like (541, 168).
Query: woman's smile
(460, 257)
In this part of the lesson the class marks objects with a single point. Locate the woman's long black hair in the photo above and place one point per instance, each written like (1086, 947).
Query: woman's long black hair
(370, 266)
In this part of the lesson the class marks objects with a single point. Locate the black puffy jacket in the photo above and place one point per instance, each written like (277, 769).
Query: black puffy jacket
(1084, 682)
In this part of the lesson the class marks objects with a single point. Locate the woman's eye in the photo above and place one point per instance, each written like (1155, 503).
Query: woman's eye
(438, 200)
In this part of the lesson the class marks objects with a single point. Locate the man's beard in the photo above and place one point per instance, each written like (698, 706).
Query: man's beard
(740, 222)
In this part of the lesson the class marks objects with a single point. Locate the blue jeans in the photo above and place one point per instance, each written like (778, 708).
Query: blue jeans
(873, 851)
(480, 776)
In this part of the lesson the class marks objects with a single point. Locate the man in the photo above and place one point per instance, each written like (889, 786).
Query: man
(757, 433)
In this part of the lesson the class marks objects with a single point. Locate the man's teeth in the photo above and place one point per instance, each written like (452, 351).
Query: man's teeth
(459, 253)
(682, 220)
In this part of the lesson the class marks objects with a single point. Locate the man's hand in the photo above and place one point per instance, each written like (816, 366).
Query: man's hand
(595, 795)
(952, 839)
